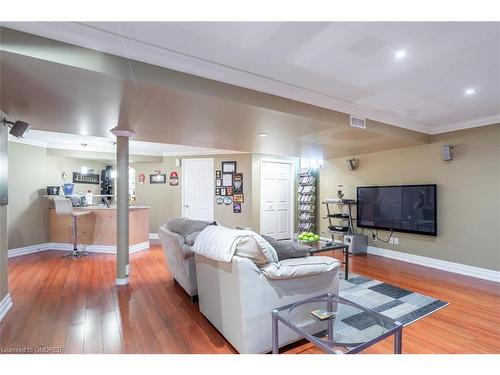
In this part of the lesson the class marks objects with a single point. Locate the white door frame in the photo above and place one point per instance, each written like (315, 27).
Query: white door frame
(212, 188)
(292, 191)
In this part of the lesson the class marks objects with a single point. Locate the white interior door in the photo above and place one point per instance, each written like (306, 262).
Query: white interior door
(198, 189)
(276, 207)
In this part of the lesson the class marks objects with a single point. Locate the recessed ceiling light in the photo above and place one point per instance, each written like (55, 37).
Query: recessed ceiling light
(400, 54)
(469, 91)
(262, 134)
(83, 144)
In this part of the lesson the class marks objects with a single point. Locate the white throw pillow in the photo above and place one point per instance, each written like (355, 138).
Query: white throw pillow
(248, 247)
(257, 249)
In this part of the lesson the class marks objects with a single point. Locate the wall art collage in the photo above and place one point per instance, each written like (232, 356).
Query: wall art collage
(229, 186)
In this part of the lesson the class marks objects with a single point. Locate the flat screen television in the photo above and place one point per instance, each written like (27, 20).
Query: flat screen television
(406, 208)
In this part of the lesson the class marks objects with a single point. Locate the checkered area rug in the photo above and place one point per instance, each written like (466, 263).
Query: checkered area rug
(396, 303)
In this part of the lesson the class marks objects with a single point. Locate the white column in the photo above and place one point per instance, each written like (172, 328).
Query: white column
(122, 202)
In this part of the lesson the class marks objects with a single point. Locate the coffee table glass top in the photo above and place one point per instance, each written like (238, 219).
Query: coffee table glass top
(351, 325)
(321, 245)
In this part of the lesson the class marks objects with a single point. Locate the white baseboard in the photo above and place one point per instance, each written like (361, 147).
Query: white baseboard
(102, 249)
(122, 281)
(5, 306)
(27, 250)
(462, 269)
(138, 247)
(154, 236)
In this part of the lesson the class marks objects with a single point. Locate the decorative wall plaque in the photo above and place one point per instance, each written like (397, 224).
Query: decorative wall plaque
(89, 178)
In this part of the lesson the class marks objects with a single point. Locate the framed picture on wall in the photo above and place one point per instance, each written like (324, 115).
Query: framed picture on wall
(217, 191)
(238, 183)
(228, 167)
(229, 190)
(218, 174)
(157, 178)
(223, 191)
(218, 182)
(227, 179)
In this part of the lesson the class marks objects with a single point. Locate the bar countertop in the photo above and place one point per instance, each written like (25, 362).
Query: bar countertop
(111, 208)
(95, 208)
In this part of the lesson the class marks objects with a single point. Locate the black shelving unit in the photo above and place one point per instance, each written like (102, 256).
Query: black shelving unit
(339, 217)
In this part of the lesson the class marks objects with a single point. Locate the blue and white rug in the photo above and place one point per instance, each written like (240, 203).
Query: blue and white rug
(396, 303)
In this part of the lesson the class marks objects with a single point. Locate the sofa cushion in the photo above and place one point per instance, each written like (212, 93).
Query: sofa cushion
(185, 226)
(248, 247)
(191, 237)
(299, 267)
(288, 249)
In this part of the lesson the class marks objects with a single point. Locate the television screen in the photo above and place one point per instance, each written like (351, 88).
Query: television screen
(408, 208)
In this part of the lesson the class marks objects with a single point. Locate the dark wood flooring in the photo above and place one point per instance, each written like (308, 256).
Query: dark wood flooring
(75, 307)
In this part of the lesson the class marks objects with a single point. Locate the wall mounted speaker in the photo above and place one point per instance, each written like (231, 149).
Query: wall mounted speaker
(352, 164)
(18, 129)
(446, 152)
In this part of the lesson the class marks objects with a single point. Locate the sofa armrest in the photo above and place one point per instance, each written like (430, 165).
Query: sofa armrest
(165, 233)
(299, 267)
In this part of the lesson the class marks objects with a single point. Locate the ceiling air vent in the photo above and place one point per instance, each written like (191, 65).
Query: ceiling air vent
(357, 122)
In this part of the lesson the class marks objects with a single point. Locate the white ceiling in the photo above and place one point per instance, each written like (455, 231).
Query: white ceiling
(345, 66)
(65, 141)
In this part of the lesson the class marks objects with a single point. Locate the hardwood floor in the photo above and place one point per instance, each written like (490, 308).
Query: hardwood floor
(75, 307)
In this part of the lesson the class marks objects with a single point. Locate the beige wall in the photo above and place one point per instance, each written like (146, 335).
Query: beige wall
(3, 224)
(468, 193)
(32, 169)
(165, 200)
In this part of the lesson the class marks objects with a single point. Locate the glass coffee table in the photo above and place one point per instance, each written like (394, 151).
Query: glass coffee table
(351, 328)
(323, 246)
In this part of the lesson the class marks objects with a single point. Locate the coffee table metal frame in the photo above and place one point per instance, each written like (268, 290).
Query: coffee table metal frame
(332, 246)
(397, 330)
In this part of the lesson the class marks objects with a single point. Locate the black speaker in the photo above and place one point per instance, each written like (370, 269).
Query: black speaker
(19, 129)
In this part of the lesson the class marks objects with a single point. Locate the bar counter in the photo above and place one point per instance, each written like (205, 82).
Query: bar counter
(98, 229)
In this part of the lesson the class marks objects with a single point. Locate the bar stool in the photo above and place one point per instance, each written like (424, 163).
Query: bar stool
(64, 207)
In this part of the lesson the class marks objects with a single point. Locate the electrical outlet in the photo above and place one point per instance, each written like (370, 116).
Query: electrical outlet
(391, 240)
(396, 241)
(374, 237)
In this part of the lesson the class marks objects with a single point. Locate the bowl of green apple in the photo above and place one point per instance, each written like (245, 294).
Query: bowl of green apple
(308, 238)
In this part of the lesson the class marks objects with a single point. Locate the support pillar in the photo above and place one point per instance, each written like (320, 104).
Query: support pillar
(5, 300)
(122, 203)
